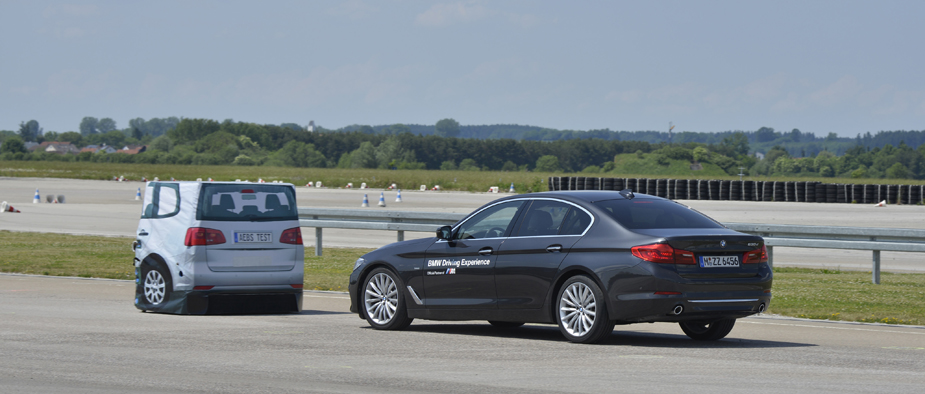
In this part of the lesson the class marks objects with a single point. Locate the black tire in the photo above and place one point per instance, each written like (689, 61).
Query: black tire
(505, 324)
(156, 285)
(385, 308)
(579, 302)
(707, 331)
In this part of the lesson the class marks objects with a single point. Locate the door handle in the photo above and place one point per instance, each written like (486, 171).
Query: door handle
(485, 251)
(554, 248)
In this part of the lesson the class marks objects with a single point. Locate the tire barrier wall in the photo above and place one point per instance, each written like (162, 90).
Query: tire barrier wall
(717, 190)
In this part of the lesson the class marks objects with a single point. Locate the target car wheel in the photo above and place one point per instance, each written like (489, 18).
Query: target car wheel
(582, 311)
(156, 286)
(707, 331)
(384, 304)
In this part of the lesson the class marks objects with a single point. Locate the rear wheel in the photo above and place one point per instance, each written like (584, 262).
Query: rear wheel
(383, 302)
(706, 330)
(156, 285)
(505, 324)
(582, 311)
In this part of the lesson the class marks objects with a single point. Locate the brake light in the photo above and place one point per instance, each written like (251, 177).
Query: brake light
(297, 285)
(756, 256)
(291, 236)
(663, 253)
(198, 236)
(247, 191)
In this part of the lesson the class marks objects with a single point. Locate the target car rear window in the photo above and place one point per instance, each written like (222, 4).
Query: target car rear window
(246, 202)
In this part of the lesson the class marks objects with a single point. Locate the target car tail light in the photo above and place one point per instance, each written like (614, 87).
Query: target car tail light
(663, 253)
(291, 236)
(200, 236)
(756, 256)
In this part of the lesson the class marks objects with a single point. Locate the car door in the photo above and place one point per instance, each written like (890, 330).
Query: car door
(530, 258)
(157, 233)
(459, 272)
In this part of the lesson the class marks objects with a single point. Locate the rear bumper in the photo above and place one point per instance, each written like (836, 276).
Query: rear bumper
(649, 307)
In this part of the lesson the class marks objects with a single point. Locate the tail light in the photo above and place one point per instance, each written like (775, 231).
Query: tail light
(756, 256)
(663, 253)
(197, 236)
(291, 236)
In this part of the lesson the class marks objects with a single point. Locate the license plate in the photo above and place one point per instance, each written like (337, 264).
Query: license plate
(719, 261)
(253, 237)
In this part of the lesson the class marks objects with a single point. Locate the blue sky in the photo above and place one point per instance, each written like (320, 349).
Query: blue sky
(822, 66)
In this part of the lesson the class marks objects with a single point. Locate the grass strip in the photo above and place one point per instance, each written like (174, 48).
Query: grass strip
(798, 292)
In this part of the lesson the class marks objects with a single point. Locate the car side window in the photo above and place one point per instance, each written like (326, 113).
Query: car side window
(490, 223)
(161, 200)
(576, 221)
(544, 217)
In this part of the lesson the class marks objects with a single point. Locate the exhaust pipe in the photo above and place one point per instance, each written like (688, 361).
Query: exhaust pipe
(678, 309)
(762, 307)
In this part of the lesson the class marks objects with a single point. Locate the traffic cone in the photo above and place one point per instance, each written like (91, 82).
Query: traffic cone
(398, 196)
(365, 202)
(381, 199)
(37, 199)
(138, 194)
(5, 207)
(881, 204)
(512, 188)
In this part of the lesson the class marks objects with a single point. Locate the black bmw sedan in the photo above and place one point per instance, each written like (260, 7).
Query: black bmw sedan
(585, 260)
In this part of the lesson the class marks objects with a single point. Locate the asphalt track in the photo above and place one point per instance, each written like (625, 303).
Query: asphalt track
(109, 208)
(72, 335)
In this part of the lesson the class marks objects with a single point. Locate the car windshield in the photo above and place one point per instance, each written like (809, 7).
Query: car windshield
(639, 214)
(233, 202)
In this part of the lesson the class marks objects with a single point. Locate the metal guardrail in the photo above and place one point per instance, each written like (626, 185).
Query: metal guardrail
(828, 237)
(821, 237)
(356, 219)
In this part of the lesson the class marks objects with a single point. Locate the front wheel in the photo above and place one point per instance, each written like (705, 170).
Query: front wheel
(383, 302)
(707, 331)
(582, 311)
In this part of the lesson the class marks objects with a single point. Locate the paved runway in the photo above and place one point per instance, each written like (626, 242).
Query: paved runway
(109, 208)
(71, 335)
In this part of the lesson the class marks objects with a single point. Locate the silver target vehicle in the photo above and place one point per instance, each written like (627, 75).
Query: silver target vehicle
(584, 260)
(219, 247)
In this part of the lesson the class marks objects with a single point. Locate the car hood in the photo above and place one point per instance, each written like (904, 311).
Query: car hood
(410, 248)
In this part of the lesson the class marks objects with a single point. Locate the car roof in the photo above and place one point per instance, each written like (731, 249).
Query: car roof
(223, 183)
(586, 195)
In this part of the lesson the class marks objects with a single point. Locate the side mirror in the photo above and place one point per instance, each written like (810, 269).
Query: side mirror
(444, 232)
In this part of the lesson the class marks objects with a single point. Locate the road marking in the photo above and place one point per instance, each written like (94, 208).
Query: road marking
(834, 328)
(903, 348)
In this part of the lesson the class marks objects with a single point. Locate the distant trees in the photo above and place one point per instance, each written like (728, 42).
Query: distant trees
(447, 128)
(12, 145)
(30, 131)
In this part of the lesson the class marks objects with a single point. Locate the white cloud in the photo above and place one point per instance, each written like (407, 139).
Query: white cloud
(840, 91)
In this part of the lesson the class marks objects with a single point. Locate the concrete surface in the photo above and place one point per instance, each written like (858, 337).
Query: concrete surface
(71, 335)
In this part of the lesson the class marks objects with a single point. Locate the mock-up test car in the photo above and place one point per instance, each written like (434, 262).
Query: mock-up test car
(219, 247)
(584, 260)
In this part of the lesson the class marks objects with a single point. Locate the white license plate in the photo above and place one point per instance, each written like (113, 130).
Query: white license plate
(252, 237)
(719, 261)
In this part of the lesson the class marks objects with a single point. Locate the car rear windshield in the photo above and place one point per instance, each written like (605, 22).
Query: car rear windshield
(247, 202)
(638, 214)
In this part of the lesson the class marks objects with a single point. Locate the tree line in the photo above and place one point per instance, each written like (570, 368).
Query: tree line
(205, 141)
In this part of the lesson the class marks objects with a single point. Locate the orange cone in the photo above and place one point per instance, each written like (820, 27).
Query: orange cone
(6, 207)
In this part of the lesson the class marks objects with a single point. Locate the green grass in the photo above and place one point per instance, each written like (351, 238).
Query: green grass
(628, 166)
(475, 181)
(798, 292)
(849, 296)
